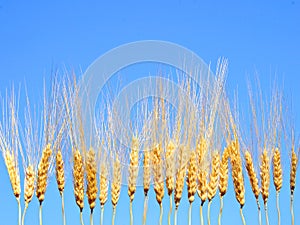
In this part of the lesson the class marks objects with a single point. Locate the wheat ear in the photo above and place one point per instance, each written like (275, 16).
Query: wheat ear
(14, 177)
(170, 171)
(42, 176)
(146, 182)
(265, 180)
(180, 175)
(277, 178)
(158, 175)
(115, 186)
(213, 182)
(294, 162)
(253, 180)
(237, 176)
(223, 180)
(28, 188)
(103, 189)
(133, 173)
(91, 178)
(192, 182)
(78, 181)
(60, 179)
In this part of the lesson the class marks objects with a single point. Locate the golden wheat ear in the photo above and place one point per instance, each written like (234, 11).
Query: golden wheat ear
(91, 178)
(116, 186)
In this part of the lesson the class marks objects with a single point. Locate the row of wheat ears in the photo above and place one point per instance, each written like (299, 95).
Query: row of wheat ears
(159, 159)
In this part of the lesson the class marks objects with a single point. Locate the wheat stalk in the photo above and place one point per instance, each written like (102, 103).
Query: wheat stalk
(170, 171)
(28, 188)
(91, 178)
(180, 175)
(201, 149)
(223, 180)
(213, 182)
(237, 176)
(146, 182)
(103, 188)
(277, 178)
(253, 180)
(158, 175)
(115, 186)
(78, 181)
(42, 176)
(265, 180)
(133, 173)
(294, 162)
(60, 180)
(192, 181)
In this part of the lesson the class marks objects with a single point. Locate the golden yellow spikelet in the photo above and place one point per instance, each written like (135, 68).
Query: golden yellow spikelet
(116, 183)
(252, 174)
(265, 176)
(213, 178)
(42, 175)
(192, 177)
(60, 173)
(13, 173)
(277, 170)
(29, 184)
(91, 178)
(133, 168)
(170, 167)
(78, 179)
(223, 176)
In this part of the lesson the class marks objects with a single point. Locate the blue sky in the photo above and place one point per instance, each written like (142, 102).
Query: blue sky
(257, 38)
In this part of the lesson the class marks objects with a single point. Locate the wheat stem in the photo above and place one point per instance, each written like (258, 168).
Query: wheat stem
(91, 218)
(190, 215)
(277, 206)
(170, 210)
(242, 215)
(19, 209)
(161, 209)
(175, 216)
(292, 208)
(201, 213)
(208, 212)
(145, 209)
(24, 213)
(63, 208)
(266, 214)
(102, 215)
(259, 212)
(81, 219)
(40, 214)
(221, 210)
(130, 211)
(113, 216)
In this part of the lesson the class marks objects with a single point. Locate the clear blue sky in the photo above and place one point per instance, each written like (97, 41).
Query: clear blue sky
(257, 38)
